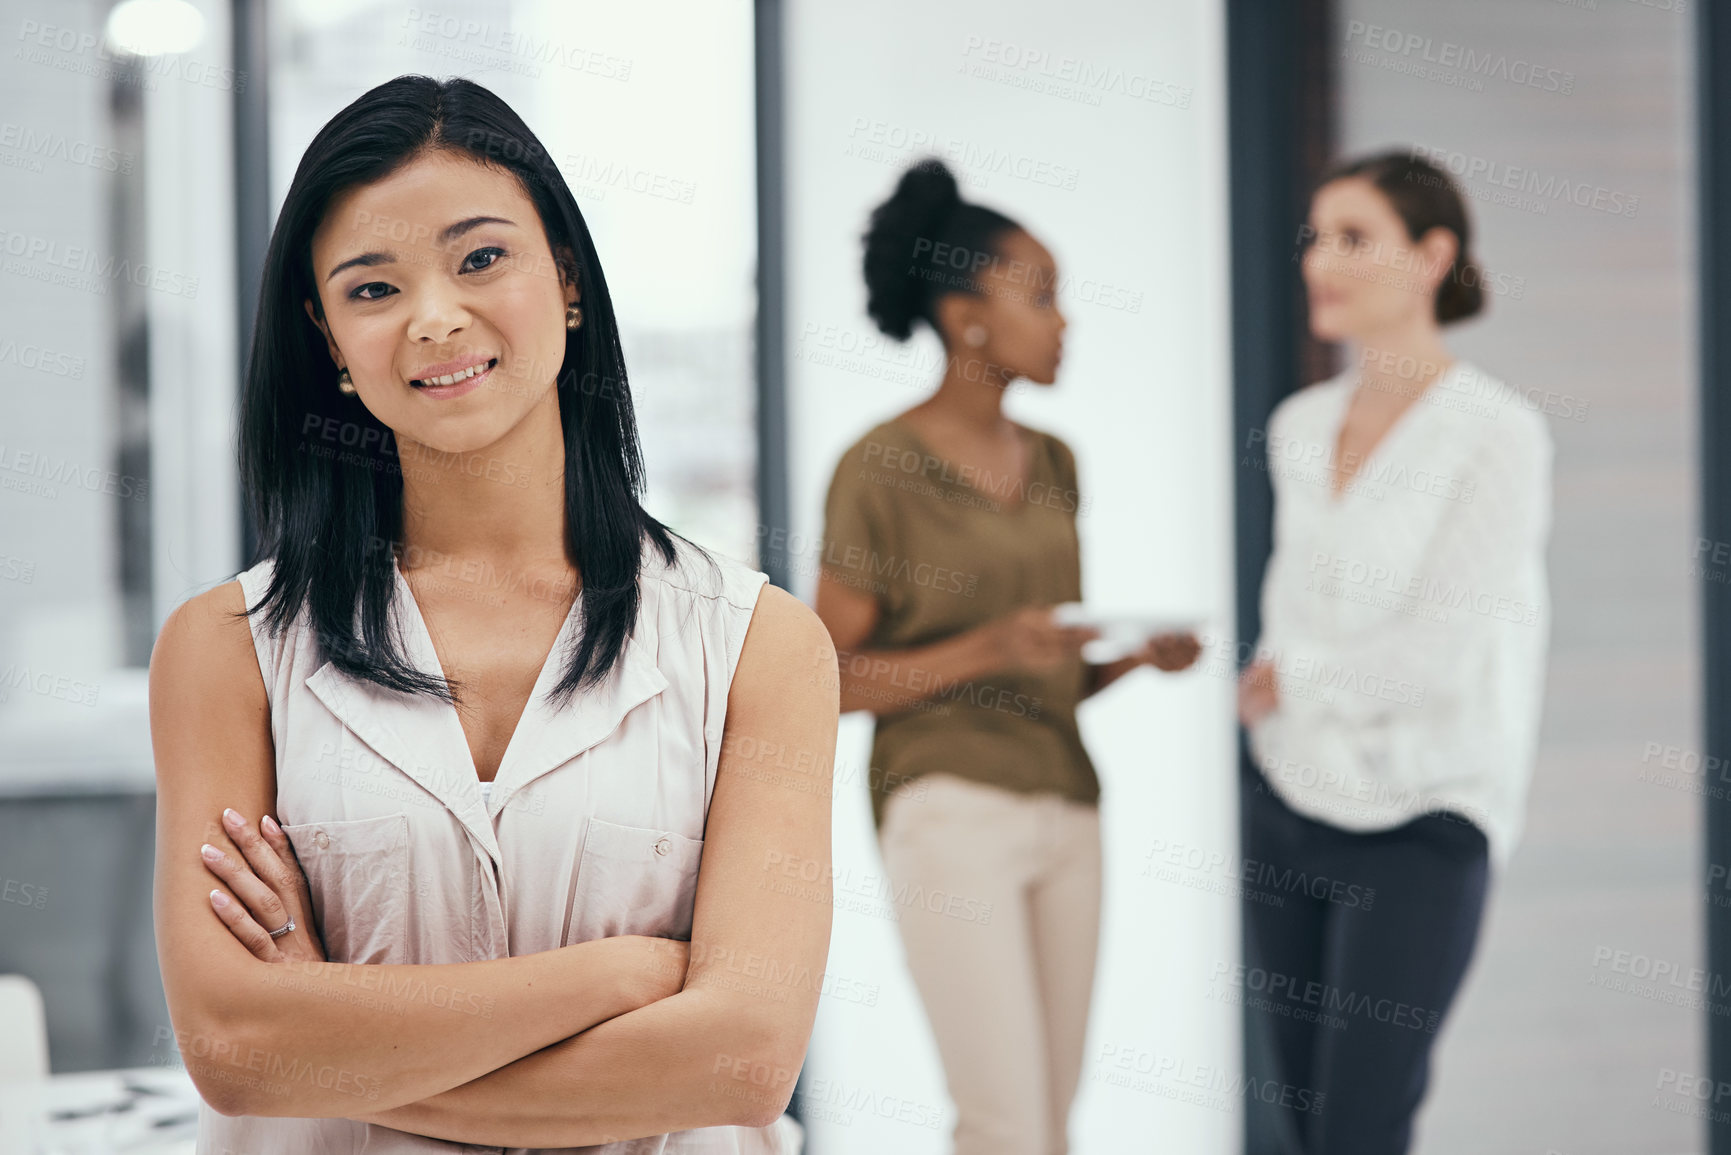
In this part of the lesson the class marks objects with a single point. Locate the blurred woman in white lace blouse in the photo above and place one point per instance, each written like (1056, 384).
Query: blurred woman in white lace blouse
(1393, 705)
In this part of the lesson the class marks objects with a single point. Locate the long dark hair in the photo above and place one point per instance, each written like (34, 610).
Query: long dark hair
(329, 505)
(909, 238)
(1425, 198)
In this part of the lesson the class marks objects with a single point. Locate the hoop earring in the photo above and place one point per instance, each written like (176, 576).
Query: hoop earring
(345, 383)
(573, 316)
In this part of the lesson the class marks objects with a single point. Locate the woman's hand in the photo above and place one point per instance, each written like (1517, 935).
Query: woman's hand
(266, 888)
(1258, 692)
(1028, 639)
(1169, 652)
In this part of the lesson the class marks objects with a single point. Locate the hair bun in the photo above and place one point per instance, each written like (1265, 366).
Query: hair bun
(923, 199)
(928, 186)
(1462, 293)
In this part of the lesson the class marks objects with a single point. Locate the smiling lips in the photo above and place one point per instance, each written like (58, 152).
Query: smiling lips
(451, 373)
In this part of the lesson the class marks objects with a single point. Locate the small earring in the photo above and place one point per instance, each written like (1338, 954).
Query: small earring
(345, 383)
(974, 335)
(573, 316)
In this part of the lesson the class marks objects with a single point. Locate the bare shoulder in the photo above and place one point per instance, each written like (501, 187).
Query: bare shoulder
(787, 671)
(204, 656)
(785, 635)
(205, 628)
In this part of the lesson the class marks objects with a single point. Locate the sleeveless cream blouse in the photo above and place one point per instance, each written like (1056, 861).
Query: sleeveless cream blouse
(593, 827)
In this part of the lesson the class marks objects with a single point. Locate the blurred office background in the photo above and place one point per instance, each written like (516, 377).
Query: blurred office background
(725, 155)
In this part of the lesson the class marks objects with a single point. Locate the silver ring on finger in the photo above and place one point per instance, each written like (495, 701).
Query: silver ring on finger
(284, 928)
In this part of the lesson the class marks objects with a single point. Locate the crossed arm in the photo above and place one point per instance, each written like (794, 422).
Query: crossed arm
(586, 1044)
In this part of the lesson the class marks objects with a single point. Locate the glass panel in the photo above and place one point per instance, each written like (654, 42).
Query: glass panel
(117, 371)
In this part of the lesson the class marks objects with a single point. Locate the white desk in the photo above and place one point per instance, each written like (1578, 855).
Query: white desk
(138, 1111)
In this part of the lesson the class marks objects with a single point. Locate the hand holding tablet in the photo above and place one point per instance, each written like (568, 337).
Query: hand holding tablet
(1123, 632)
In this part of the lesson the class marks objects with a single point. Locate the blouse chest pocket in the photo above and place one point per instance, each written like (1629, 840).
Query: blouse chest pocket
(633, 880)
(358, 874)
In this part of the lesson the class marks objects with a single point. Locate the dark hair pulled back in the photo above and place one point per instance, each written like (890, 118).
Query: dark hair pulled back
(1425, 197)
(923, 242)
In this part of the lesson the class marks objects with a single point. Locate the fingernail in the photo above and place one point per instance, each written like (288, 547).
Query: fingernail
(269, 824)
(218, 899)
(232, 818)
(211, 853)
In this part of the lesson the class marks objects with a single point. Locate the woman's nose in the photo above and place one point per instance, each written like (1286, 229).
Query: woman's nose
(438, 314)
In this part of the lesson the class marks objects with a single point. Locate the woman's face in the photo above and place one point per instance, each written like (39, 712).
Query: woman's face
(438, 268)
(1364, 275)
(1019, 311)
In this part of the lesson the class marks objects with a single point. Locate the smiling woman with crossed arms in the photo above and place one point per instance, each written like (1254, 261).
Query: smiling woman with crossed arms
(481, 918)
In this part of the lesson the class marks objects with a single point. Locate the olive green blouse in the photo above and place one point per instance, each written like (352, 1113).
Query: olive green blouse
(942, 549)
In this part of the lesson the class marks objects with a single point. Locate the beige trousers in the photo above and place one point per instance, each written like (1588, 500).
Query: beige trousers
(998, 897)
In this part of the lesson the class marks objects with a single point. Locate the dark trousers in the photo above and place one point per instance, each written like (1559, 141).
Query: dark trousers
(1355, 945)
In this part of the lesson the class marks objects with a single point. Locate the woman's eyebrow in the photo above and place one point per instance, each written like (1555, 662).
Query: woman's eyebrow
(365, 259)
(452, 232)
(446, 235)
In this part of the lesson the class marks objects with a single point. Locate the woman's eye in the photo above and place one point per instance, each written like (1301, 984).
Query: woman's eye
(361, 294)
(491, 256)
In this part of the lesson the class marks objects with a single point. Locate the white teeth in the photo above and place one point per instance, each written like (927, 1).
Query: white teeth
(453, 378)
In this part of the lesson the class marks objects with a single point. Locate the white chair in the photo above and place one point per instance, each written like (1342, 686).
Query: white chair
(23, 1030)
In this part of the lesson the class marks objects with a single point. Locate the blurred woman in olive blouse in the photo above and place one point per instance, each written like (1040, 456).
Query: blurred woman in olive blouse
(950, 533)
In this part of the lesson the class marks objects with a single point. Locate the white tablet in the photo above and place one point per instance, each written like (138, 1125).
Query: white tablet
(1122, 632)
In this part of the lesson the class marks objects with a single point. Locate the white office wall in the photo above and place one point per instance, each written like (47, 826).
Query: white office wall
(1101, 127)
